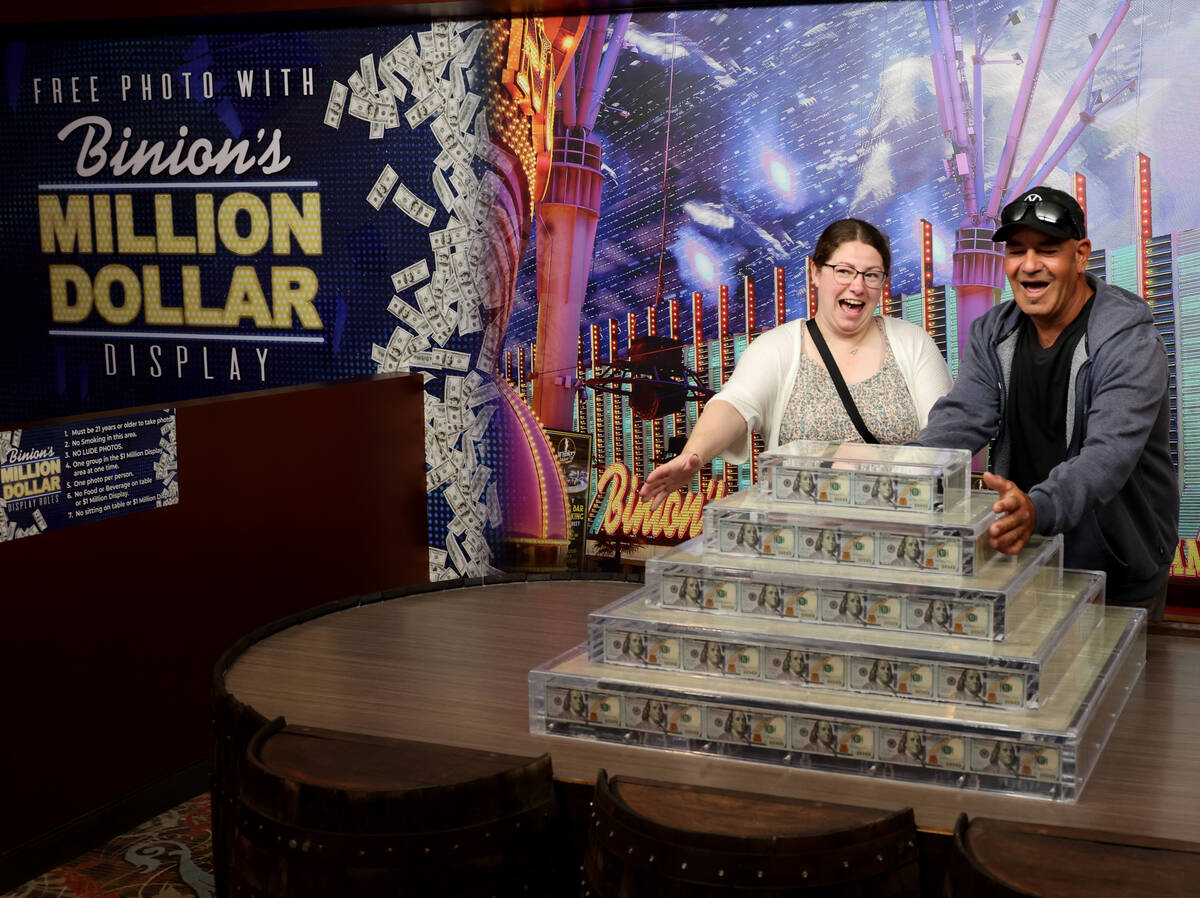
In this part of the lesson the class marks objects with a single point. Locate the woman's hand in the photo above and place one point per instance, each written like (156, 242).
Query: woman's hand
(669, 477)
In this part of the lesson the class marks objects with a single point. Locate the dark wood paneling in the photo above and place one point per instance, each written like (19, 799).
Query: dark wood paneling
(288, 499)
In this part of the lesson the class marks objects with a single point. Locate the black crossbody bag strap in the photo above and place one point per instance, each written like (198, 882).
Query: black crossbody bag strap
(838, 381)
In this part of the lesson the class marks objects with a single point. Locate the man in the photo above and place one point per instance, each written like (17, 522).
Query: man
(1069, 384)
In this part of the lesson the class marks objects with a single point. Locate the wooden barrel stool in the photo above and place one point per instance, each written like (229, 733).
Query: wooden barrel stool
(671, 841)
(322, 814)
(1003, 859)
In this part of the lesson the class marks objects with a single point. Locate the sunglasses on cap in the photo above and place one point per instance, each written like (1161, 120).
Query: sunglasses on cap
(1048, 211)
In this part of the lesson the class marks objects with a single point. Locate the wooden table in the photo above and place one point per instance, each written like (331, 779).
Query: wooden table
(452, 667)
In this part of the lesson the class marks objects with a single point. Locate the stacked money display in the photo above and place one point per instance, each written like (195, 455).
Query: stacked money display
(817, 622)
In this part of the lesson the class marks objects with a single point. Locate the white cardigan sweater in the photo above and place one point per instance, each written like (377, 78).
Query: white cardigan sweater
(762, 383)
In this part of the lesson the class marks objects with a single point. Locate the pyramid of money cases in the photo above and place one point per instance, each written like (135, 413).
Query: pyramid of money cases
(847, 614)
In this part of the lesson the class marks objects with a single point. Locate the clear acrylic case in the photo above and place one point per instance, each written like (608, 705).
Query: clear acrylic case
(896, 478)
(1015, 675)
(988, 605)
(1047, 754)
(949, 543)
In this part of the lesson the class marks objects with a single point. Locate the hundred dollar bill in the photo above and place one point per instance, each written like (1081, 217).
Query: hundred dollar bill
(696, 592)
(794, 486)
(336, 105)
(874, 490)
(769, 730)
(856, 741)
(834, 487)
(650, 714)
(413, 206)
(743, 660)
(857, 546)
(995, 756)
(844, 606)
(443, 160)
(438, 475)
(468, 108)
(412, 275)
(479, 479)
(789, 665)
(763, 599)
(944, 554)
(777, 541)
(358, 86)
(423, 109)
(604, 709)
(642, 649)
(380, 109)
(456, 554)
(828, 670)
(382, 187)
(450, 236)
(390, 77)
(736, 536)
(794, 602)
(494, 516)
(940, 616)
(893, 676)
(979, 686)
(485, 393)
(685, 719)
(729, 725)
(444, 194)
(456, 361)
(899, 746)
(39, 520)
(817, 544)
(1039, 762)
(366, 66)
(409, 315)
(478, 426)
(945, 751)
(916, 493)
(885, 611)
(814, 735)
(902, 550)
(567, 704)
(704, 656)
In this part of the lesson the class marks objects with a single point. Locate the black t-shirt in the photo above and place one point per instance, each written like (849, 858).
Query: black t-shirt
(1037, 400)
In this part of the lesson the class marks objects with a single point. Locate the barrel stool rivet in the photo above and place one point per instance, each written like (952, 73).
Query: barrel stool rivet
(879, 857)
(846, 865)
(390, 849)
(427, 851)
(804, 874)
(759, 873)
(279, 838)
(652, 859)
(455, 848)
(487, 835)
(361, 852)
(292, 843)
(320, 846)
(683, 866)
(611, 833)
(305, 845)
(630, 851)
(720, 873)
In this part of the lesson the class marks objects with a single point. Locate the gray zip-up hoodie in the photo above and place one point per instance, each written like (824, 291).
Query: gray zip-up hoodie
(1115, 498)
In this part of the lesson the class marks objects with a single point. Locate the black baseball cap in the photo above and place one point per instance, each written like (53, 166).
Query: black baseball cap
(1044, 209)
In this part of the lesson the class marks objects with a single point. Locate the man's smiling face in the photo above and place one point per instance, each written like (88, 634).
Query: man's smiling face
(1046, 275)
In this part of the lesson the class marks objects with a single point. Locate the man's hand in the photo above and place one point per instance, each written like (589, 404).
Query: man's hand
(669, 477)
(1011, 532)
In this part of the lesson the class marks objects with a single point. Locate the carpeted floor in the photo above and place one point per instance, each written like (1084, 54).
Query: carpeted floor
(167, 857)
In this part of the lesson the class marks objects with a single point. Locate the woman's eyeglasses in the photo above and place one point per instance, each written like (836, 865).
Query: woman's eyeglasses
(845, 274)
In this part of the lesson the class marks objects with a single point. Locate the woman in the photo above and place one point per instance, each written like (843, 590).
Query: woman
(781, 389)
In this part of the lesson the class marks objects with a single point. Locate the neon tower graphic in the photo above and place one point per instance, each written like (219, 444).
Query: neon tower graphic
(978, 263)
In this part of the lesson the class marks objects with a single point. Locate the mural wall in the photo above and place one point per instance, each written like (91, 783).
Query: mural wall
(529, 211)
